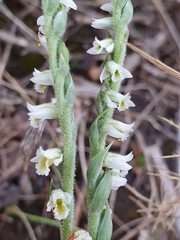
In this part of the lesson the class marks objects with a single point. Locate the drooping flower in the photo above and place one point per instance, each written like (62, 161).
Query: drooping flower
(117, 100)
(80, 235)
(42, 40)
(115, 71)
(41, 80)
(58, 204)
(69, 4)
(41, 112)
(117, 161)
(44, 159)
(117, 179)
(108, 7)
(103, 23)
(102, 46)
(41, 23)
(118, 129)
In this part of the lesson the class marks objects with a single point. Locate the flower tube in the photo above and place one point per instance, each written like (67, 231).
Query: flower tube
(102, 46)
(41, 80)
(41, 112)
(44, 159)
(58, 204)
(103, 23)
(117, 100)
(115, 71)
(118, 129)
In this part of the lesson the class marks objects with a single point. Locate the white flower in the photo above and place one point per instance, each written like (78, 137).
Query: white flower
(68, 4)
(117, 180)
(81, 235)
(58, 204)
(118, 129)
(115, 71)
(114, 99)
(41, 80)
(101, 47)
(108, 7)
(44, 159)
(117, 161)
(103, 23)
(42, 40)
(41, 112)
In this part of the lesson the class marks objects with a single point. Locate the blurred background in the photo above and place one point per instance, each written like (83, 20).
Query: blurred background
(148, 206)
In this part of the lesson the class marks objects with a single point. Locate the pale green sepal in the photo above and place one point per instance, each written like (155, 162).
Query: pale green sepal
(69, 90)
(51, 186)
(59, 23)
(62, 49)
(94, 171)
(100, 104)
(122, 15)
(50, 7)
(95, 166)
(102, 193)
(94, 135)
(105, 228)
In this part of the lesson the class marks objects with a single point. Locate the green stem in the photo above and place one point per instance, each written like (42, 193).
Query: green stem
(68, 127)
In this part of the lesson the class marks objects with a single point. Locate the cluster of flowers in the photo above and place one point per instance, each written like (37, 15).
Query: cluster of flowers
(44, 159)
(113, 72)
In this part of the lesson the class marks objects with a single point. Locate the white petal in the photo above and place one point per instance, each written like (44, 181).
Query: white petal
(69, 4)
(116, 164)
(58, 201)
(44, 77)
(104, 74)
(126, 73)
(43, 111)
(82, 235)
(52, 153)
(41, 20)
(117, 182)
(113, 132)
(110, 103)
(108, 7)
(103, 23)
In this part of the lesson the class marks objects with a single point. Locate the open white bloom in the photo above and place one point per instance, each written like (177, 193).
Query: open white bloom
(102, 46)
(82, 235)
(117, 180)
(103, 23)
(58, 204)
(41, 112)
(114, 99)
(68, 4)
(118, 129)
(117, 161)
(41, 80)
(108, 7)
(44, 159)
(115, 71)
